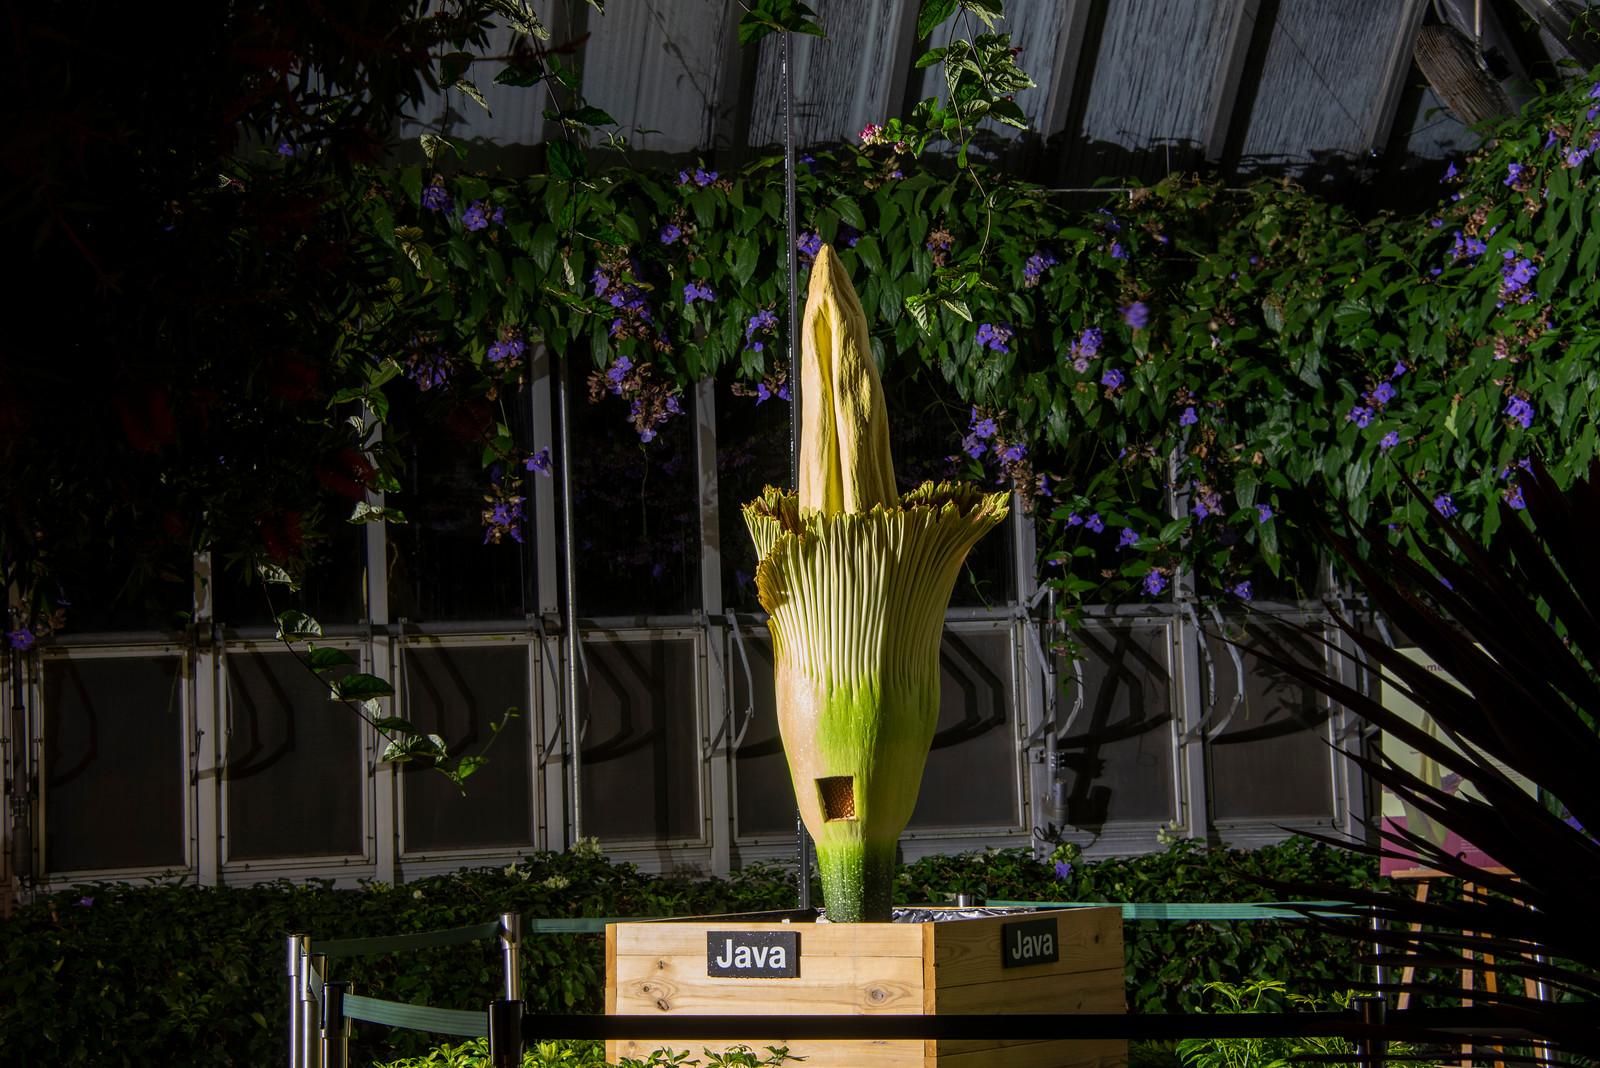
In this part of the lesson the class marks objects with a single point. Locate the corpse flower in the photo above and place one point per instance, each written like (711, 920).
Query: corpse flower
(856, 579)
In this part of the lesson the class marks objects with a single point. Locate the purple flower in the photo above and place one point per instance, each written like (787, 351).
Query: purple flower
(85, 902)
(1263, 512)
(539, 461)
(1095, 523)
(1242, 590)
(1136, 315)
(474, 218)
(1449, 172)
(1088, 343)
(617, 372)
(1011, 454)
(1154, 582)
(1188, 418)
(436, 198)
(973, 446)
(1520, 410)
(285, 149)
(1074, 520)
(762, 392)
(1041, 261)
(984, 428)
(1389, 440)
(700, 177)
(1514, 497)
(1383, 394)
(1042, 485)
(1513, 174)
(1200, 509)
(509, 349)
(809, 244)
(1399, 369)
(847, 235)
(1444, 505)
(993, 336)
(1468, 248)
(21, 639)
(766, 319)
(1129, 538)
(601, 280)
(1117, 251)
(1063, 869)
(497, 216)
(1112, 379)
(670, 233)
(1360, 416)
(695, 291)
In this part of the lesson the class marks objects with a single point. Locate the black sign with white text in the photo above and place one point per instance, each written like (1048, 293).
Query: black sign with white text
(753, 954)
(1028, 942)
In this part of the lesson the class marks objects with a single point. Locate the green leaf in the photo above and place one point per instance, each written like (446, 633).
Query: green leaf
(765, 17)
(322, 658)
(297, 626)
(359, 686)
(931, 13)
(396, 725)
(589, 115)
(566, 160)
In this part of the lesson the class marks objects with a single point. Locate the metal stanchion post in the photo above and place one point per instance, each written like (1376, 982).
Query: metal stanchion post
(299, 945)
(1379, 972)
(335, 1030)
(511, 950)
(505, 1015)
(505, 1033)
(312, 967)
(1372, 1049)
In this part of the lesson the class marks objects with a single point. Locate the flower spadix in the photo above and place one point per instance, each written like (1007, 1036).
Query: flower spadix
(856, 579)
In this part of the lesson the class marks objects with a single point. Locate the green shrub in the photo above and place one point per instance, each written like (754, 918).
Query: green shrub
(475, 1054)
(115, 974)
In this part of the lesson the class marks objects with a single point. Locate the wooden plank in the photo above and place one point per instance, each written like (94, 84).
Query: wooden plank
(658, 67)
(816, 939)
(1321, 78)
(611, 969)
(817, 1053)
(1397, 68)
(1089, 940)
(1225, 86)
(1104, 1053)
(841, 82)
(1153, 75)
(834, 984)
(1100, 991)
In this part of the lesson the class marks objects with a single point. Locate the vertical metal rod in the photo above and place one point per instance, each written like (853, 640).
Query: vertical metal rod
(298, 945)
(1372, 1049)
(792, 235)
(511, 952)
(569, 570)
(312, 967)
(1379, 971)
(505, 1033)
(335, 1031)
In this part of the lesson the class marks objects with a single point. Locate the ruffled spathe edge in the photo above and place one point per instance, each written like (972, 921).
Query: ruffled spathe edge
(853, 592)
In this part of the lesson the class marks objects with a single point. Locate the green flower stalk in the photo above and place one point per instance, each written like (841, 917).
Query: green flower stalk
(856, 580)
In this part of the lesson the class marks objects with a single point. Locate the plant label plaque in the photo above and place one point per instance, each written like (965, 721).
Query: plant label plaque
(1029, 942)
(753, 954)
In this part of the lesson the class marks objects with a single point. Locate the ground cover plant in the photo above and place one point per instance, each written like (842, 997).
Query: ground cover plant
(115, 974)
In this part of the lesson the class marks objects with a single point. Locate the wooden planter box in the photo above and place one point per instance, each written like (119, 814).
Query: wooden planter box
(949, 966)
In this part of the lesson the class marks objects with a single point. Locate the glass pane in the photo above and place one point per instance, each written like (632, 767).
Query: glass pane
(333, 591)
(294, 775)
(116, 587)
(752, 452)
(459, 692)
(1116, 760)
(926, 425)
(764, 796)
(636, 508)
(1272, 761)
(971, 779)
(639, 765)
(113, 734)
(445, 562)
